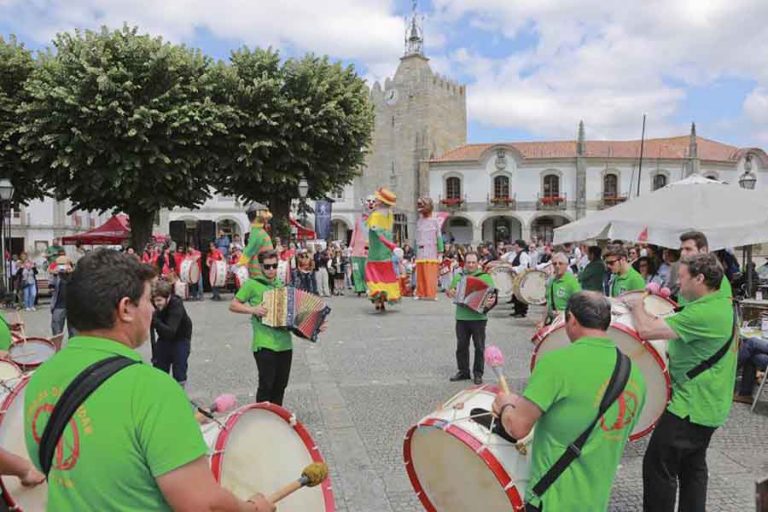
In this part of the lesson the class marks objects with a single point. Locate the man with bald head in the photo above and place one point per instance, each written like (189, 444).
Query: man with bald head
(560, 287)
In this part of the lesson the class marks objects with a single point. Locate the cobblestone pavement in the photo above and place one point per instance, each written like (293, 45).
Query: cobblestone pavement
(372, 376)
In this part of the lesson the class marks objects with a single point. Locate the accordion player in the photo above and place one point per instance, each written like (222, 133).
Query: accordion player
(473, 293)
(301, 312)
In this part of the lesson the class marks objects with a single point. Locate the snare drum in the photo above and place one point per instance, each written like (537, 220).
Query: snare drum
(190, 272)
(530, 287)
(16, 496)
(456, 465)
(650, 356)
(218, 273)
(260, 448)
(30, 353)
(503, 278)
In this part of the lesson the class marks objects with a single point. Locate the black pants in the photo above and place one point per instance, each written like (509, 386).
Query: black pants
(521, 308)
(274, 370)
(466, 329)
(172, 356)
(677, 452)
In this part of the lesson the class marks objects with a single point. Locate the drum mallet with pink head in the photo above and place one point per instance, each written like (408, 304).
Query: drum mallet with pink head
(495, 359)
(223, 403)
(312, 475)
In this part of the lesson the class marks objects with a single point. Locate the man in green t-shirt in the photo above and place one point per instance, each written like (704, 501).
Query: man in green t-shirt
(272, 347)
(5, 334)
(470, 324)
(691, 244)
(702, 367)
(133, 445)
(562, 399)
(54, 250)
(625, 278)
(560, 287)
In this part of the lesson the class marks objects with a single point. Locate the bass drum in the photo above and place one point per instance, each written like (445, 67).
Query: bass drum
(218, 273)
(530, 287)
(456, 465)
(29, 353)
(258, 448)
(650, 356)
(190, 272)
(503, 277)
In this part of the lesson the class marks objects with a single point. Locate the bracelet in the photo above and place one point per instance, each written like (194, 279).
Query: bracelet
(501, 411)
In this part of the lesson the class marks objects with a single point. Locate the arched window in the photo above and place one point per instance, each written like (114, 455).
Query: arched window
(501, 187)
(453, 188)
(551, 185)
(610, 185)
(659, 180)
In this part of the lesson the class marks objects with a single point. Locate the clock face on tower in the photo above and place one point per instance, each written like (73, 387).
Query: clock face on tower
(391, 96)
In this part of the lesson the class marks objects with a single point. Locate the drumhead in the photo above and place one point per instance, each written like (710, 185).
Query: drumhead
(643, 353)
(455, 465)
(31, 353)
(218, 273)
(261, 448)
(503, 279)
(531, 287)
(654, 304)
(12, 439)
(9, 370)
(190, 272)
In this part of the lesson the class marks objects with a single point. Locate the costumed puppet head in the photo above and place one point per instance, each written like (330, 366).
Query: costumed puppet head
(258, 212)
(369, 203)
(385, 197)
(425, 206)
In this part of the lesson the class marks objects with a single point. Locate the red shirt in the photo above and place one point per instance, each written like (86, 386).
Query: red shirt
(214, 255)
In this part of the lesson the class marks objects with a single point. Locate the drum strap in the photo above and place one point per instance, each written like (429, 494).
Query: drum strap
(717, 356)
(76, 393)
(616, 385)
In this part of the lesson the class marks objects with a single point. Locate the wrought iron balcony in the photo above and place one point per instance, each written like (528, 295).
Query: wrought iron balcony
(452, 204)
(502, 202)
(551, 202)
(606, 201)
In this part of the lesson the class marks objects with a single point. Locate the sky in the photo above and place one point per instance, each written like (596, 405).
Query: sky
(533, 68)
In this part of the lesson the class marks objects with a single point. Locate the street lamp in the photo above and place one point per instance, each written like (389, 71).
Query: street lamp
(6, 194)
(748, 179)
(303, 191)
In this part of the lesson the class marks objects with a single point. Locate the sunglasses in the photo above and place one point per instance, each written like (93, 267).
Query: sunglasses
(269, 266)
(610, 262)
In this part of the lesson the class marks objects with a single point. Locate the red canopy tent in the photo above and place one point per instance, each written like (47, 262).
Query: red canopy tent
(302, 233)
(112, 232)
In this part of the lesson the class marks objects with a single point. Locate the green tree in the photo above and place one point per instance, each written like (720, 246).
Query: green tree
(120, 121)
(16, 64)
(305, 117)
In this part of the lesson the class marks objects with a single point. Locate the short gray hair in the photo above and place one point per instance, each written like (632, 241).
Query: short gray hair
(560, 256)
(705, 264)
(591, 309)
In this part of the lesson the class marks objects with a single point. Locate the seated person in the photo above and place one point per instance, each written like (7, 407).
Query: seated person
(753, 357)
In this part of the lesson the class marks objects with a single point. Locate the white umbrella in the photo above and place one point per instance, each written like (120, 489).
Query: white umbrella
(730, 216)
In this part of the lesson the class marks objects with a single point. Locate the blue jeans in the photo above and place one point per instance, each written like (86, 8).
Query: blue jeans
(200, 287)
(29, 296)
(753, 356)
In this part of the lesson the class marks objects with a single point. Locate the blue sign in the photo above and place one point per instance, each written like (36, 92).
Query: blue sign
(323, 219)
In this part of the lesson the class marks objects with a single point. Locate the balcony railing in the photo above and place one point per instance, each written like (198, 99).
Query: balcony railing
(550, 202)
(608, 201)
(502, 202)
(452, 204)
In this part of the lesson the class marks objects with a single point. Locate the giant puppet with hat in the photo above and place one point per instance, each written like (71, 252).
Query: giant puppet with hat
(380, 277)
(429, 249)
(258, 239)
(358, 245)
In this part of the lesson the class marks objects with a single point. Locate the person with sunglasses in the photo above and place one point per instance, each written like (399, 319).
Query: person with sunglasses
(625, 278)
(304, 274)
(560, 287)
(272, 347)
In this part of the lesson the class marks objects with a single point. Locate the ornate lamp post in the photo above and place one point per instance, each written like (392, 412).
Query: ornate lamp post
(747, 181)
(303, 191)
(6, 194)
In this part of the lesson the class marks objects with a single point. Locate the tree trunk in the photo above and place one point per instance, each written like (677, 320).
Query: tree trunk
(281, 227)
(141, 228)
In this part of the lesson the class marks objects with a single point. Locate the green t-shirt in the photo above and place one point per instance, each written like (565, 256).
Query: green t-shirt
(137, 426)
(703, 327)
(272, 338)
(629, 282)
(567, 385)
(559, 290)
(591, 277)
(5, 333)
(53, 253)
(725, 290)
(463, 312)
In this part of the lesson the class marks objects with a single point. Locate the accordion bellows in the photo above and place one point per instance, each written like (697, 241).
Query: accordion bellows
(301, 312)
(473, 293)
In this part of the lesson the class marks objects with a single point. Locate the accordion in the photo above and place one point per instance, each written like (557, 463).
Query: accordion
(301, 312)
(473, 293)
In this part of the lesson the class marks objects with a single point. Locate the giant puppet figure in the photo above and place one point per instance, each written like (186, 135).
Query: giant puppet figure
(380, 277)
(359, 245)
(429, 247)
(258, 239)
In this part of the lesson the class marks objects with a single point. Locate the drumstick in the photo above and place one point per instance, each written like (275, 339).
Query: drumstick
(495, 359)
(223, 403)
(312, 475)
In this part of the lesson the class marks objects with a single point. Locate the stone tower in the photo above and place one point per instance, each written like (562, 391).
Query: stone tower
(418, 115)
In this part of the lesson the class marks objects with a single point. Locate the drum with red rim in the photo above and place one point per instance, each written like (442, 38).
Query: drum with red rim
(218, 273)
(456, 465)
(261, 447)
(503, 276)
(29, 353)
(650, 356)
(190, 271)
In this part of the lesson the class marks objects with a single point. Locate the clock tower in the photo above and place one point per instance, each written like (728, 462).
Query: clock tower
(418, 115)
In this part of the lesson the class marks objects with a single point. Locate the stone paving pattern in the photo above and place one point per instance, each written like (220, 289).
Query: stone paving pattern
(371, 376)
